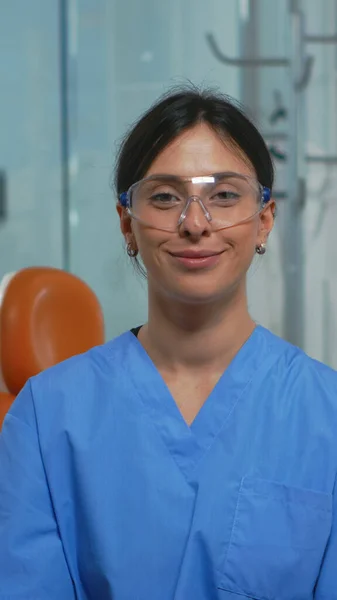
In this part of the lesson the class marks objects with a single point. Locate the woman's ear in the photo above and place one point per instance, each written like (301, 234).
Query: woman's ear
(267, 217)
(124, 220)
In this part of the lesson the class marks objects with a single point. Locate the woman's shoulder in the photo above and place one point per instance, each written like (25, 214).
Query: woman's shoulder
(294, 364)
(75, 400)
(83, 373)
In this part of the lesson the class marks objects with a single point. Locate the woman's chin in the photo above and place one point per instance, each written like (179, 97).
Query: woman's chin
(196, 293)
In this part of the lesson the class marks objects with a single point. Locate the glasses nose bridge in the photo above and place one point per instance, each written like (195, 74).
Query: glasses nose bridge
(194, 198)
(189, 201)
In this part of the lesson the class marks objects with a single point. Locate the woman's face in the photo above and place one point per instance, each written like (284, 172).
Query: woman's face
(198, 151)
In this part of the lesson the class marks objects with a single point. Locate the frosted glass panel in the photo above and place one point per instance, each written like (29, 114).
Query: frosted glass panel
(31, 228)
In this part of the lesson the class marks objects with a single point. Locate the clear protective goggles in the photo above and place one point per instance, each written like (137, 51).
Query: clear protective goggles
(225, 199)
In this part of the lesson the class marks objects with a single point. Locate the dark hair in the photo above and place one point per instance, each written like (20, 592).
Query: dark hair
(178, 111)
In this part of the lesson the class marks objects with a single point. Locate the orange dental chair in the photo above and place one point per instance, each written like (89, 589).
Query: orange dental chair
(46, 316)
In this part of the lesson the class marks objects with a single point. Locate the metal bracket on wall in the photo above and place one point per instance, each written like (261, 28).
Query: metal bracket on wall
(244, 62)
(327, 160)
(300, 84)
(320, 39)
(299, 65)
(274, 61)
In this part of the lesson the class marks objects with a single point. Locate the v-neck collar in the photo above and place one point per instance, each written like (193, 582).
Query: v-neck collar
(187, 444)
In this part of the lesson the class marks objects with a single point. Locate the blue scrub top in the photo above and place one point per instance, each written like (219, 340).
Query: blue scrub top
(106, 493)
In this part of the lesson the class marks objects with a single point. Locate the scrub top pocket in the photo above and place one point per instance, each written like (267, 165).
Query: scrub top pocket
(277, 542)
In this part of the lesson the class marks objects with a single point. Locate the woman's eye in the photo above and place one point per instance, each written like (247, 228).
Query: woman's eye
(226, 195)
(164, 198)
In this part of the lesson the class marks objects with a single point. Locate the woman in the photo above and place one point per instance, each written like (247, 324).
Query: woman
(195, 457)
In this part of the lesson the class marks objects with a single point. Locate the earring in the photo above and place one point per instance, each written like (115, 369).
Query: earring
(132, 252)
(261, 248)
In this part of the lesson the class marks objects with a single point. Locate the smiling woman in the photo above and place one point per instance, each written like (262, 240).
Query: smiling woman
(194, 457)
(184, 139)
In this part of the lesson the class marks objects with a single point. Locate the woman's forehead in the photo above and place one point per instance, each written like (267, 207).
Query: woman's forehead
(200, 151)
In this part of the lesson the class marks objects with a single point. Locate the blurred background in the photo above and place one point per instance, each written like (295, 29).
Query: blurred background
(74, 75)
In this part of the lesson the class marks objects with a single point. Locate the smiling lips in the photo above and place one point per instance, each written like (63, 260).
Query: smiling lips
(200, 259)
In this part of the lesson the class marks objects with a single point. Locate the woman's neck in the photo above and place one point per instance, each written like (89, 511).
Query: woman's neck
(179, 337)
